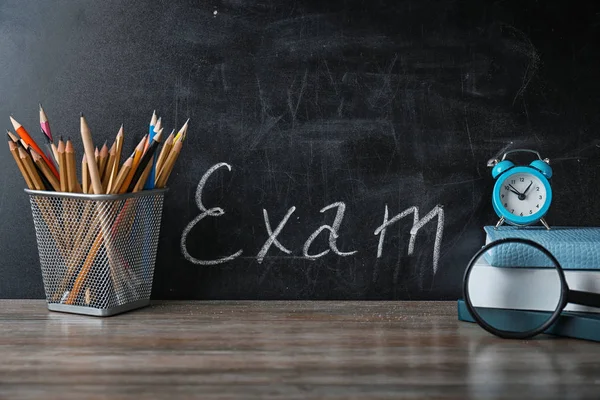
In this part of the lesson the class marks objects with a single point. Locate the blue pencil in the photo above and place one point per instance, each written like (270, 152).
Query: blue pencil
(152, 130)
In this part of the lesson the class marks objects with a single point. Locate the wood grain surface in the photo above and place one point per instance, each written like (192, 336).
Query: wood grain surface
(292, 350)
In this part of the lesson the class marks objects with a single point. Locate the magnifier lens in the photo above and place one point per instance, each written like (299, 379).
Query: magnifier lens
(514, 287)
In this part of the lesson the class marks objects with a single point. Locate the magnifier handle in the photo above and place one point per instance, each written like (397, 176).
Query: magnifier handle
(584, 298)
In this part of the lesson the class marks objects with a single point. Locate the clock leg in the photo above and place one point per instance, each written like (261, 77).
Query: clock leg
(500, 222)
(543, 221)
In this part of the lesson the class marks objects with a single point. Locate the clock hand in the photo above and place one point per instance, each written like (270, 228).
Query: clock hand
(512, 189)
(531, 183)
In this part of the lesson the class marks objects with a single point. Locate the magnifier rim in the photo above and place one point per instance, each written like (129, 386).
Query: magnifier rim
(510, 334)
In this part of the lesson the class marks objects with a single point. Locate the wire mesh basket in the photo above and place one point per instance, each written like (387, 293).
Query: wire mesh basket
(97, 252)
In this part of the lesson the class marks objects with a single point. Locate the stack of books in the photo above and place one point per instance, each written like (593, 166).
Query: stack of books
(578, 252)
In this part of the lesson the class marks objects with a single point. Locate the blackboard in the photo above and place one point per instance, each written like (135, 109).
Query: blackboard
(310, 109)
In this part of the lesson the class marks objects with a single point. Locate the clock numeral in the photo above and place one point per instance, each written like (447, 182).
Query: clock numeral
(537, 188)
(522, 179)
(502, 196)
(521, 214)
(512, 211)
(540, 196)
(506, 187)
(530, 212)
(537, 205)
(505, 204)
(513, 181)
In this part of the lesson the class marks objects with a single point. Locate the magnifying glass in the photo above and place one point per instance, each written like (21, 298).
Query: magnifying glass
(515, 289)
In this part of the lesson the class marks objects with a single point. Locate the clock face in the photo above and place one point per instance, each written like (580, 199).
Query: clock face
(523, 194)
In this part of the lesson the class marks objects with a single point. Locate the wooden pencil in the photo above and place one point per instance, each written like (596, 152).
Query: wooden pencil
(122, 175)
(139, 149)
(73, 183)
(14, 150)
(109, 166)
(167, 168)
(85, 176)
(31, 171)
(88, 145)
(62, 166)
(54, 152)
(42, 166)
(12, 136)
(49, 151)
(146, 158)
(102, 160)
(44, 124)
(143, 177)
(155, 130)
(117, 163)
(23, 134)
(181, 134)
(164, 153)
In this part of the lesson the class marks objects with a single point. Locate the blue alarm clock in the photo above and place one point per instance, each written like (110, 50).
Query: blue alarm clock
(522, 194)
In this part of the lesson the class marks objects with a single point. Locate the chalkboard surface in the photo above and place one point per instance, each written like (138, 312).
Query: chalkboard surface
(313, 121)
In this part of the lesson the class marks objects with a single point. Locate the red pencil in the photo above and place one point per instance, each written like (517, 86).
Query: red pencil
(27, 139)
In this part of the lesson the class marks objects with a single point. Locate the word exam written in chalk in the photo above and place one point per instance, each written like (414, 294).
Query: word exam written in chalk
(333, 229)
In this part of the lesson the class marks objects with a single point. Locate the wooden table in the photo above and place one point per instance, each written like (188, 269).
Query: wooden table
(292, 350)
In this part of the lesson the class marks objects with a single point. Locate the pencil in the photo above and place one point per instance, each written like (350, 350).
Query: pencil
(155, 126)
(31, 171)
(62, 166)
(167, 146)
(122, 175)
(108, 167)
(164, 153)
(152, 123)
(27, 139)
(146, 158)
(181, 134)
(42, 166)
(143, 177)
(85, 177)
(14, 150)
(116, 164)
(21, 144)
(88, 145)
(167, 168)
(49, 151)
(150, 136)
(74, 186)
(139, 149)
(12, 136)
(44, 124)
(102, 160)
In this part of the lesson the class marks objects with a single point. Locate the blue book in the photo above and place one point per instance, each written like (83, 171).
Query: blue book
(570, 324)
(573, 247)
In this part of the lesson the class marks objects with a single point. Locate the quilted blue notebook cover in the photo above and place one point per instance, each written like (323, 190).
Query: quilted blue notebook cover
(574, 248)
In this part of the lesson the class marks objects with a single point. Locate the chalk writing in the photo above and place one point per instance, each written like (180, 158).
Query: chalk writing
(272, 239)
(333, 229)
(333, 234)
(212, 212)
(417, 224)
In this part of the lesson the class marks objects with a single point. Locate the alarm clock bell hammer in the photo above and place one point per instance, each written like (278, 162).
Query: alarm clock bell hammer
(522, 194)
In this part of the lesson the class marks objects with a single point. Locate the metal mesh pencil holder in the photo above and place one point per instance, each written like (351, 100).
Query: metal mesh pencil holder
(97, 252)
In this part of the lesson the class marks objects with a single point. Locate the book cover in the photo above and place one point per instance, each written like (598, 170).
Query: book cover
(527, 288)
(574, 247)
(569, 324)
